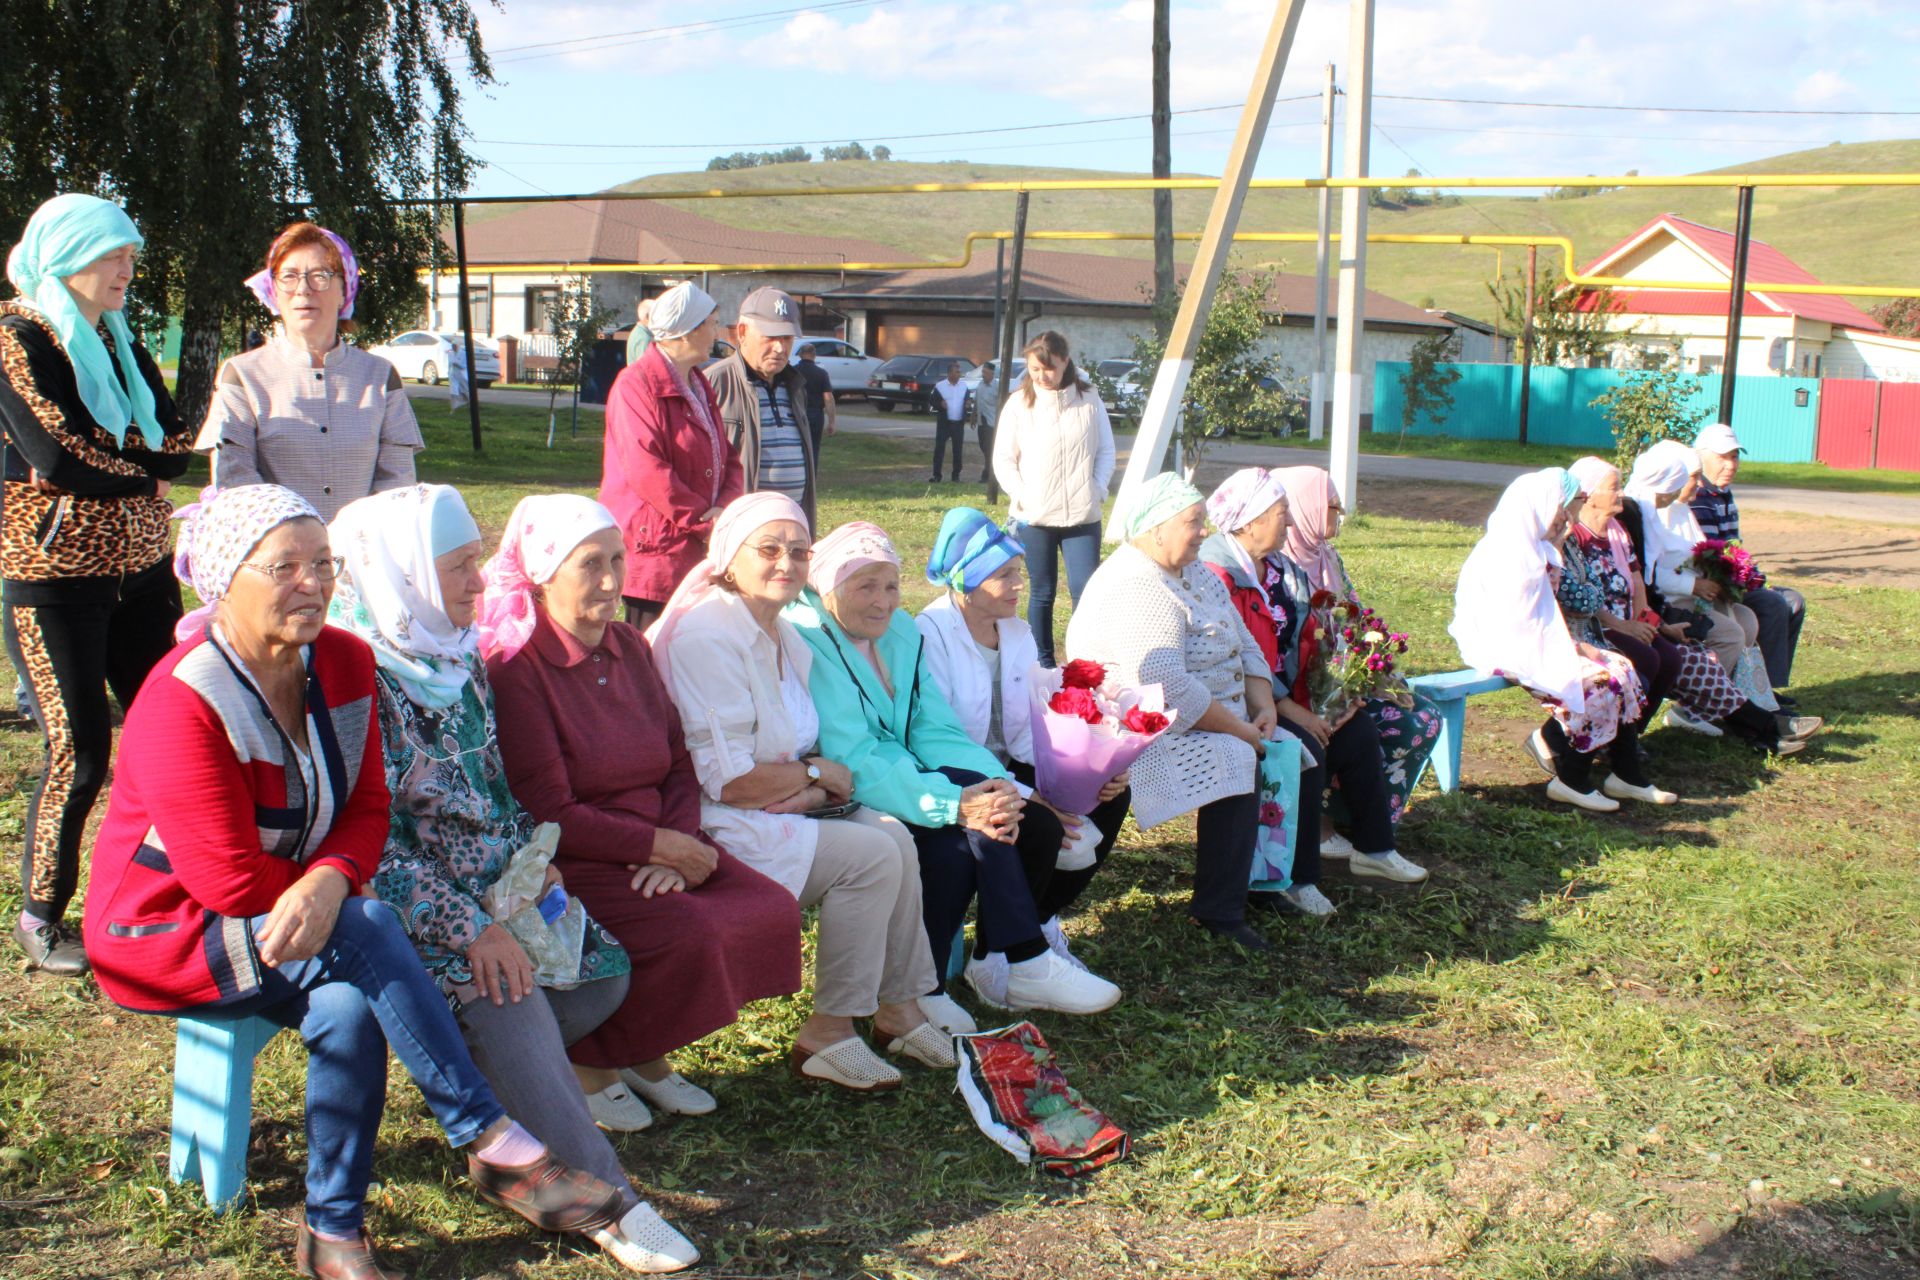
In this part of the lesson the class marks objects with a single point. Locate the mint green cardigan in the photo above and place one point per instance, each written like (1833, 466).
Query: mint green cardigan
(893, 743)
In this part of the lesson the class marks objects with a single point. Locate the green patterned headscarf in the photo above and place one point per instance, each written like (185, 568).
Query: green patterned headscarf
(1158, 500)
(65, 235)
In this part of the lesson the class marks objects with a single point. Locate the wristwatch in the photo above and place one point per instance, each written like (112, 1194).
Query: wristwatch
(813, 771)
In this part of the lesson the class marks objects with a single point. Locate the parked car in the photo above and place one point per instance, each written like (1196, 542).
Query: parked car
(421, 356)
(1118, 382)
(848, 366)
(908, 380)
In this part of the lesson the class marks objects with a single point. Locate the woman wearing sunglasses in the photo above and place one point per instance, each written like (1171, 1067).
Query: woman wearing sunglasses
(307, 410)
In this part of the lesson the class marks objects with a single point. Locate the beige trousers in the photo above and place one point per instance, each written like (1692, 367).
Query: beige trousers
(872, 946)
(1735, 630)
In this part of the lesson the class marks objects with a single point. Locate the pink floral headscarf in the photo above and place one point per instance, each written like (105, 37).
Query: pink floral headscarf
(218, 532)
(846, 551)
(541, 533)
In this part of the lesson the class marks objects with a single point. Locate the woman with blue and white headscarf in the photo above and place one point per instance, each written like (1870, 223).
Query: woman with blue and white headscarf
(92, 445)
(980, 653)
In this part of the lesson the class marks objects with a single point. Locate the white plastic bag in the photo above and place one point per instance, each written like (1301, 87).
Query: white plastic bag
(514, 901)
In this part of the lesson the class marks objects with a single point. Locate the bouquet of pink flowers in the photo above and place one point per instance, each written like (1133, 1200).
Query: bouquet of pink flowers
(1356, 662)
(1087, 730)
(1729, 564)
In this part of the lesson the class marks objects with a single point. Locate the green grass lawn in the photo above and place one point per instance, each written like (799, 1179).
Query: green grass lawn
(1588, 1049)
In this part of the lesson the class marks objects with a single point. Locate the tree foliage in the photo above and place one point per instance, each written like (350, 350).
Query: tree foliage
(217, 122)
(1648, 408)
(1570, 326)
(754, 159)
(575, 322)
(1426, 388)
(1901, 316)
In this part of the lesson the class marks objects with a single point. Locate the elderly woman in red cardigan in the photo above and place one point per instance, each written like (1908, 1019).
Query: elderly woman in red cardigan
(592, 741)
(249, 809)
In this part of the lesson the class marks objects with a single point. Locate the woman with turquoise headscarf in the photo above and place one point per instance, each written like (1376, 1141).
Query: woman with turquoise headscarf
(980, 653)
(92, 445)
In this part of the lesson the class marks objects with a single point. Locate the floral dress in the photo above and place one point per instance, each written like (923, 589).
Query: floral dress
(1614, 694)
(455, 824)
(1407, 734)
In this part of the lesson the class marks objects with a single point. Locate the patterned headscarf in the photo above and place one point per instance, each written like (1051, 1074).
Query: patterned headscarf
(1157, 501)
(66, 235)
(742, 518)
(846, 551)
(969, 549)
(217, 534)
(1244, 497)
(261, 281)
(541, 533)
(391, 596)
(1309, 494)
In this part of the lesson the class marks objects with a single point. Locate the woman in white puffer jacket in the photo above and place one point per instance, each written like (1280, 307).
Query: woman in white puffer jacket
(1053, 454)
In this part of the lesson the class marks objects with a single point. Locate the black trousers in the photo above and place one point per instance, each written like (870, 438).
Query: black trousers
(1040, 838)
(1353, 756)
(947, 429)
(70, 653)
(983, 434)
(955, 864)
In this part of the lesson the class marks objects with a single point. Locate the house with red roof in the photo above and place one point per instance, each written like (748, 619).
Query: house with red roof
(1804, 334)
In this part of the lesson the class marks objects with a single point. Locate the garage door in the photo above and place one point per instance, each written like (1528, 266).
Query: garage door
(907, 333)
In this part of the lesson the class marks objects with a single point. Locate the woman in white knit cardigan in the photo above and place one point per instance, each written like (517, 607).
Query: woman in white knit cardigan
(1053, 455)
(1155, 615)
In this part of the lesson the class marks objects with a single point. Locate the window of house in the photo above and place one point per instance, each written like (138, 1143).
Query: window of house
(541, 300)
(480, 304)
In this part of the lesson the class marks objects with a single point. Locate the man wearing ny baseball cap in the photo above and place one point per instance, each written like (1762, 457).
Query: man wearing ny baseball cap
(1780, 610)
(763, 399)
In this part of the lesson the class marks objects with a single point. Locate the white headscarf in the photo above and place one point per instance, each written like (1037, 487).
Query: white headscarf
(679, 311)
(1505, 617)
(1670, 533)
(390, 596)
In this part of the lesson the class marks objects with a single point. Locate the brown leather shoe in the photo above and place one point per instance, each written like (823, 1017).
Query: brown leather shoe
(340, 1259)
(548, 1194)
(52, 949)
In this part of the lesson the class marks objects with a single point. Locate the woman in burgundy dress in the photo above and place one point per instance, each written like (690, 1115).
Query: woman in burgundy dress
(592, 741)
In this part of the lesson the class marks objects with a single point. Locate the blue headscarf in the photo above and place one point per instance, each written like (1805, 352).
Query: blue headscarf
(969, 549)
(63, 236)
(1568, 482)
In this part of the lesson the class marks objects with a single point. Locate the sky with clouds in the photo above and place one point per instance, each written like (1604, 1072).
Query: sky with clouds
(665, 86)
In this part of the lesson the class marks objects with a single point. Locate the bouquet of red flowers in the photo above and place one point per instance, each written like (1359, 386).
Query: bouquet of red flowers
(1356, 660)
(1729, 564)
(1087, 730)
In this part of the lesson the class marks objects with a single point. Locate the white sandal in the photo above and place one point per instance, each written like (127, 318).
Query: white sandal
(848, 1063)
(616, 1110)
(644, 1242)
(676, 1095)
(925, 1045)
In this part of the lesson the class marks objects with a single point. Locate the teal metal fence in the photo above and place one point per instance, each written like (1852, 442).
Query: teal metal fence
(1777, 418)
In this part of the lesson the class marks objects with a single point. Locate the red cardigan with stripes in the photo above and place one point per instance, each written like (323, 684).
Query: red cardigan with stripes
(209, 821)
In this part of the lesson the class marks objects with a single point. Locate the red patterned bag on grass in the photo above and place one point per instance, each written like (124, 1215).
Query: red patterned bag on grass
(1020, 1099)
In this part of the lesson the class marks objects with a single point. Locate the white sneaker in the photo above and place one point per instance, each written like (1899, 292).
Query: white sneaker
(642, 1241)
(1309, 901)
(616, 1110)
(988, 978)
(944, 1012)
(1057, 943)
(1048, 982)
(1680, 718)
(676, 1095)
(1649, 794)
(1386, 866)
(1335, 846)
(1589, 800)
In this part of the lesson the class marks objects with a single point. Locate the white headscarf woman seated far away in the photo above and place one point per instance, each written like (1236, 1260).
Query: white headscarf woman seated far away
(1507, 621)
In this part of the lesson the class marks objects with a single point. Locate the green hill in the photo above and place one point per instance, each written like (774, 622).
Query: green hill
(1856, 236)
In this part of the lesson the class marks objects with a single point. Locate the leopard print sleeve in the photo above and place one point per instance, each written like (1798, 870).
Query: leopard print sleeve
(45, 421)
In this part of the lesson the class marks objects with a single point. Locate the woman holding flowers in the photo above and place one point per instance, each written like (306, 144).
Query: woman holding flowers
(979, 654)
(1153, 614)
(1408, 728)
(1251, 513)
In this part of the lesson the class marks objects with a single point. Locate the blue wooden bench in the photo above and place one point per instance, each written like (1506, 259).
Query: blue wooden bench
(1449, 691)
(213, 1102)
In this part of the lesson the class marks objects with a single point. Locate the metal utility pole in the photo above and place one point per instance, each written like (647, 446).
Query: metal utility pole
(433, 253)
(1008, 321)
(1344, 461)
(1162, 161)
(466, 320)
(1317, 409)
(1526, 345)
(999, 282)
(1162, 410)
(1736, 301)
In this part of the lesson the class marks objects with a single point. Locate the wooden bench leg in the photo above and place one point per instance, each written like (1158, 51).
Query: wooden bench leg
(213, 1103)
(1446, 747)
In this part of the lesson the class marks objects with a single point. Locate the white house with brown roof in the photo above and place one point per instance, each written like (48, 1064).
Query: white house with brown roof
(1099, 302)
(1805, 334)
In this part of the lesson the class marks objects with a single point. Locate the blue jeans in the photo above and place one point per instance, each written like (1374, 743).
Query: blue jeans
(364, 991)
(1080, 545)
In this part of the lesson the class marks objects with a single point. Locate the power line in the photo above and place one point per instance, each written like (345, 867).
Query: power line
(651, 31)
(653, 34)
(1602, 106)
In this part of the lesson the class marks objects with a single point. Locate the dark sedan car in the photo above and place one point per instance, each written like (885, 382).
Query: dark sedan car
(909, 380)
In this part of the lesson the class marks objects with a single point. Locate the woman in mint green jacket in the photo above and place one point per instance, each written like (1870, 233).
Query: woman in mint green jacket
(884, 717)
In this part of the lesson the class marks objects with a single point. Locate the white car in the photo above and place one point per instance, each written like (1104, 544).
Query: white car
(844, 363)
(421, 356)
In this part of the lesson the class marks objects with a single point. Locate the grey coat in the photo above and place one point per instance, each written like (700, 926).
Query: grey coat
(740, 413)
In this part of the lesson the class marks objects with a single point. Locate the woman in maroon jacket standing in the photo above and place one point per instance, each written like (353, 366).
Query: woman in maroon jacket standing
(249, 808)
(668, 467)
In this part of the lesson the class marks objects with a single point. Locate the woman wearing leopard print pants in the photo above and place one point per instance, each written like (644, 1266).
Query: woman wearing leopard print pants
(92, 445)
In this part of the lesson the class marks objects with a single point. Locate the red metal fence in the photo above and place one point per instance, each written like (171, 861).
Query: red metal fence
(1866, 423)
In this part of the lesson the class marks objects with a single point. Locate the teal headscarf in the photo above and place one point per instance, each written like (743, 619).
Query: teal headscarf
(1159, 500)
(1569, 485)
(969, 549)
(63, 236)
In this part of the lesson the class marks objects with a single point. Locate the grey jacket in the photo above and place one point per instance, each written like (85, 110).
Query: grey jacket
(740, 412)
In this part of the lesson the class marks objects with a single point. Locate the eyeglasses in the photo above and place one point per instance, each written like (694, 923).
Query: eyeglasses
(286, 572)
(318, 280)
(772, 551)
